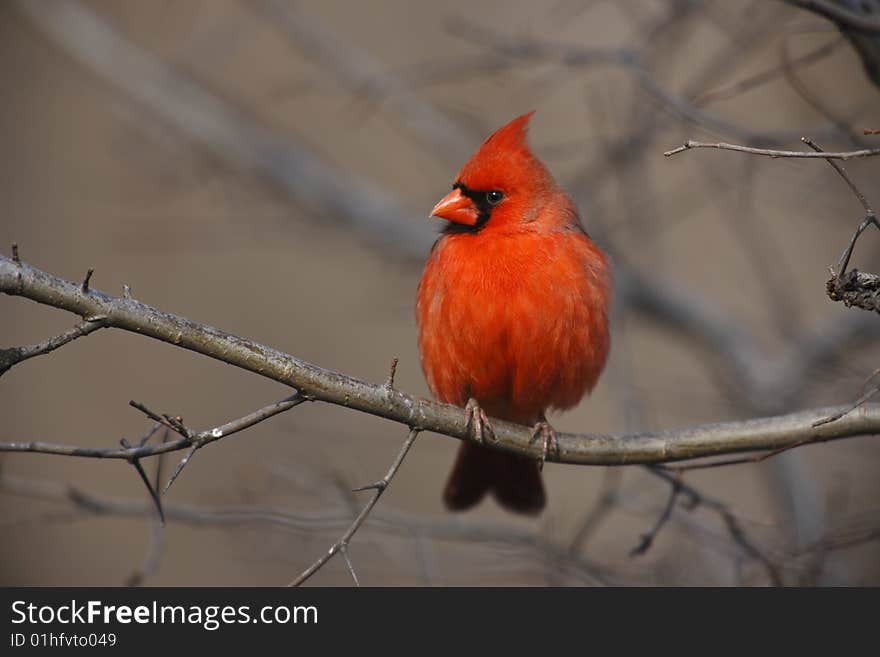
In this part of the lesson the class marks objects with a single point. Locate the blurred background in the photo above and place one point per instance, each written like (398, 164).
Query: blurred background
(267, 167)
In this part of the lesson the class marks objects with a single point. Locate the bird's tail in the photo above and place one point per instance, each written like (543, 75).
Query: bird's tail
(514, 480)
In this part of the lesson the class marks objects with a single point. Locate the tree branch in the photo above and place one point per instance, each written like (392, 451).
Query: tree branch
(14, 355)
(342, 544)
(769, 152)
(315, 383)
(509, 536)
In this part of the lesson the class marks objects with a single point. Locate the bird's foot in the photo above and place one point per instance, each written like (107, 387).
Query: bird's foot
(547, 434)
(478, 422)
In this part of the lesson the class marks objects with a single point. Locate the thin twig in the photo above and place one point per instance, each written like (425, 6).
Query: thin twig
(737, 533)
(14, 355)
(843, 174)
(647, 539)
(152, 432)
(843, 155)
(156, 548)
(861, 400)
(758, 79)
(755, 458)
(811, 98)
(165, 420)
(143, 475)
(361, 72)
(344, 550)
(854, 288)
(441, 527)
(603, 506)
(521, 47)
(180, 467)
(392, 370)
(85, 283)
(199, 440)
(342, 544)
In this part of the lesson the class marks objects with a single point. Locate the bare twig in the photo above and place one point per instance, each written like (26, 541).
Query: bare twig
(755, 458)
(854, 288)
(758, 79)
(843, 174)
(608, 498)
(647, 539)
(153, 557)
(734, 529)
(392, 370)
(180, 466)
(843, 155)
(861, 400)
(175, 424)
(365, 76)
(156, 547)
(444, 527)
(521, 47)
(85, 283)
(154, 494)
(811, 98)
(222, 127)
(342, 544)
(149, 434)
(14, 355)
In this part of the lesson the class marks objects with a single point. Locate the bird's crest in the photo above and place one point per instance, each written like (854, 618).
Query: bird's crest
(504, 159)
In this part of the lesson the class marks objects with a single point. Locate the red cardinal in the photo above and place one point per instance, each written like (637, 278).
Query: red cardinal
(512, 312)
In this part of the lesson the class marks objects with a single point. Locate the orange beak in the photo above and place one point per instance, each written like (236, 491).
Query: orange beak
(456, 207)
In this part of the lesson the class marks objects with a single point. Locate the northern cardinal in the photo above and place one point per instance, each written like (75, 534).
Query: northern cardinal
(512, 312)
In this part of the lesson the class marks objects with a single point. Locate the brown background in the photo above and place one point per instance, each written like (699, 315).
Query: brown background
(91, 178)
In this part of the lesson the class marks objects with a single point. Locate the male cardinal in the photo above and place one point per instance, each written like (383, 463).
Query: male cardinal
(512, 311)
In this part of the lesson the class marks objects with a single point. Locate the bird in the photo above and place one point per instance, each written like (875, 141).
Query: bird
(512, 314)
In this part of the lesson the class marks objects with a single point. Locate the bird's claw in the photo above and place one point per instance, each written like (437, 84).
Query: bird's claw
(478, 422)
(548, 437)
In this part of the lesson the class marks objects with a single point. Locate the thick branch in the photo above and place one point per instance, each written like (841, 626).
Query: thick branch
(315, 383)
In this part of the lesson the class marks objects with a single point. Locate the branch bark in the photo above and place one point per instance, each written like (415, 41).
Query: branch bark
(318, 384)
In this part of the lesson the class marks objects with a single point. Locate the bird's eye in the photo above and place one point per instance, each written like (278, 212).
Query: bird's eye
(494, 197)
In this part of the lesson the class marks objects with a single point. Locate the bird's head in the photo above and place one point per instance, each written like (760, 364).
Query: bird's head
(502, 184)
